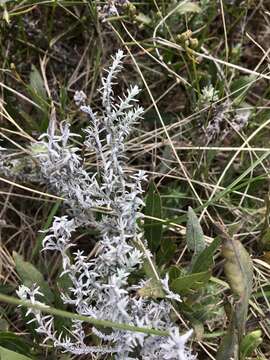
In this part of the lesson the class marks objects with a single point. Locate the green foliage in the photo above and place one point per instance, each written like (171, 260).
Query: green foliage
(195, 237)
(37, 84)
(37, 92)
(166, 252)
(30, 276)
(238, 268)
(204, 260)
(152, 289)
(239, 272)
(52, 213)
(6, 354)
(229, 346)
(249, 343)
(190, 282)
(153, 208)
(202, 304)
(65, 43)
(13, 342)
(240, 87)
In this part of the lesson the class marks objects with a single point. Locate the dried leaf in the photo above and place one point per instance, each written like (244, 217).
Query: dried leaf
(152, 289)
(238, 269)
(266, 257)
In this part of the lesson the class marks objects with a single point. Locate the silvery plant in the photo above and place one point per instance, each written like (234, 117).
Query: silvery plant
(101, 283)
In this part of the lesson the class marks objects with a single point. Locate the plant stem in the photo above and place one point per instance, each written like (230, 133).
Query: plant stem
(69, 315)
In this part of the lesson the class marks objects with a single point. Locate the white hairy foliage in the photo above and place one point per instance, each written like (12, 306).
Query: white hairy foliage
(101, 285)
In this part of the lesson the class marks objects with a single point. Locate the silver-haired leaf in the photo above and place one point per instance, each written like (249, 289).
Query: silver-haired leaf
(194, 235)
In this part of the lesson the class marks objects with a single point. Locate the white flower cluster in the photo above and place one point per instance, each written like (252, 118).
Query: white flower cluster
(102, 286)
(208, 96)
(111, 8)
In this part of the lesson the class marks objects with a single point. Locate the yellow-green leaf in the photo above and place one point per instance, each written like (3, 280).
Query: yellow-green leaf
(249, 343)
(6, 354)
(14, 342)
(238, 269)
(190, 282)
(37, 83)
(152, 289)
(189, 7)
(30, 276)
(144, 19)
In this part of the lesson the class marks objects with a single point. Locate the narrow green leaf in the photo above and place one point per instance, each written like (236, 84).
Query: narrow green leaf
(190, 282)
(64, 284)
(37, 92)
(249, 343)
(37, 83)
(174, 272)
(204, 260)
(11, 341)
(30, 275)
(6, 354)
(229, 345)
(6, 289)
(194, 235)
(153, 208)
